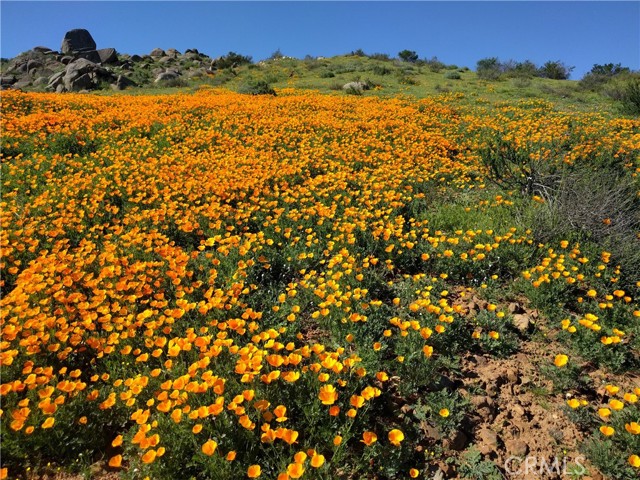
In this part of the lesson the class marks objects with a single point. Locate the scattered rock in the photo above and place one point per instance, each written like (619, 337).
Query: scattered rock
(355, 86)
(7, 80)
(458, 441)
(521, 321)
(516, 447)
(42, 49)
(157, 52)
(489, 441)
(77, 40)
(164, 76)
(122, 82)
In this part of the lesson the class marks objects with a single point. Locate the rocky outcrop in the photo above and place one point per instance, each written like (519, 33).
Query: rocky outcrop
(79, 66)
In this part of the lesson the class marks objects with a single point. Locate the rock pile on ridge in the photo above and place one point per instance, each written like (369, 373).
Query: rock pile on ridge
(79, 66)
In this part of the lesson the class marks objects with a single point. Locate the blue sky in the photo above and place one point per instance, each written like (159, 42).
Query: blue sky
(577, 33)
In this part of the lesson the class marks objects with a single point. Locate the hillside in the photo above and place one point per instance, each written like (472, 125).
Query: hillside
(104, 70)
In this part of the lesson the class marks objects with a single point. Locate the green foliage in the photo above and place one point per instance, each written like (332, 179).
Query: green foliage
(408, 56)
(608, 69)
(452, 75)
(256, 87)
(231, 60)
(630, 102)
(473, 467)
(489, 68)
(555, 70)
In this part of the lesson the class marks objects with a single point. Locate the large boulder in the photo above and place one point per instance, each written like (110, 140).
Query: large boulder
(165, 76)
(107, 55)
(83, 74)
(157, 52)
(122, 82)
(357, 87)
(91, 55)
(77, 40)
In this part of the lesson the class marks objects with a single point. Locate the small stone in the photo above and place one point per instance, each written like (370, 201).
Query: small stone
(516, 447)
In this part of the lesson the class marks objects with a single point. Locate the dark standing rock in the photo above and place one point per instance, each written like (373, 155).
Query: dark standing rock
(136, 58)
(78, 40)
(108, 55)
(66, 59)
(157, 52)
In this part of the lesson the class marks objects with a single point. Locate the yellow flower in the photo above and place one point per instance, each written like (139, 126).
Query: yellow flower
(633, 428)
(573, 403)
(607, 430)
(444, 413)
(295, 470)
(317, 460)
(396, 436)
(115, 461)
(209, 447)
(254, 471)
(48, 423)
(368, 438)
(634, 461)
(413, 473)
(561, 360)
(616, 404)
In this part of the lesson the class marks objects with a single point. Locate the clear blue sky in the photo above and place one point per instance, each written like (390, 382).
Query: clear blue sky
(577, 33)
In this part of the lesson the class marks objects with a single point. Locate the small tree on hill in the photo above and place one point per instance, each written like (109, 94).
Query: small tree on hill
(408, 56)
(609, 69)
(489, 68)
(555, 70)
(231, 60)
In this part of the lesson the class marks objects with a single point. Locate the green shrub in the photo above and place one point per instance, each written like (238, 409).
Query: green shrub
(381, 70)
(489, 68)
(327, 74)
(380, 56)
(631, 97)
(259, 87)
(231, 60)
(452, 75)
(555, 70)
(408, 56)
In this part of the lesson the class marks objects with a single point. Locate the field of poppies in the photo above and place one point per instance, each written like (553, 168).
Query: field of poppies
(211, 285)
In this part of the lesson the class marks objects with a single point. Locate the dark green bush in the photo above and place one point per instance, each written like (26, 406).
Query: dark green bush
(259, 87)
(380, 56)
(231, 60)
(631, 97)
(327, 74)
(489, 68)
(381, 70)
(452, 75)
(408, 56)
(555, 70)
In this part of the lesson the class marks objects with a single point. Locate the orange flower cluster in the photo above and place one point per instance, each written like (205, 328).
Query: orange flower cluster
(172, 265)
